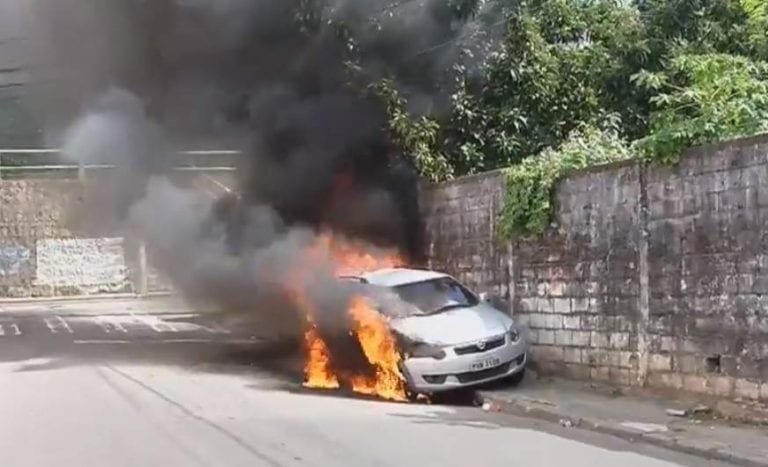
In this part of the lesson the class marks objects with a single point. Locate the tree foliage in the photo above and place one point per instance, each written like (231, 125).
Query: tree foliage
(704, 98)
(561, 64)
(417, 137)
(528, 204)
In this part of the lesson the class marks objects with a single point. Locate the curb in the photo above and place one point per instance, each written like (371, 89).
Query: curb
(536, 411)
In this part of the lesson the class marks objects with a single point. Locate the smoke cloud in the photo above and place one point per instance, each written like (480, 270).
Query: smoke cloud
(130, 82)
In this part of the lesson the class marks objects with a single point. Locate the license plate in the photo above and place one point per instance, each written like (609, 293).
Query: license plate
(483, 364)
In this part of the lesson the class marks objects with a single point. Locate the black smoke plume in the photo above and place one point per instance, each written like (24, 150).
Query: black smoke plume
(130, 82)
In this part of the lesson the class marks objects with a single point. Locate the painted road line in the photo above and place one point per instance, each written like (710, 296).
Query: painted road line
(165, 341)
(153, 322)
(109, 325)
(14, 328)
(56, 324)
(215, 328)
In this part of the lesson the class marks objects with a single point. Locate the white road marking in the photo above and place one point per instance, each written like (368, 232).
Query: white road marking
(216, 328)
(153, 322)
(56, 324)
(164, 341)
(13, 327)
(108, 325)
(102, 341)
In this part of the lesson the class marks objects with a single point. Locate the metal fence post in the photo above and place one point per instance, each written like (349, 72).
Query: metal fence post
(143, 286)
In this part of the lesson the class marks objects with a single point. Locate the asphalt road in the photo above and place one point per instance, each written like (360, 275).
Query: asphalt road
(78, 391)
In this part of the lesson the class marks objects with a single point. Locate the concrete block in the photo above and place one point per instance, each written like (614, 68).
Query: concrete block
(529, 304)
(721, 386)
(571, 322)
(544, 305)
(600, 374)
(666, 380)
(536, 320)
(579, 305)
(557, 289)
(592, 358)
(746, 389)
(545, 337)
(577, 371)
(599, 339)
(660, 362)
(564, 337)
(686, 363)
(668, 344)
(620, 340)
(627, 359)
(621, 376)
(561, 305)
(580, 338)
(553, 321)
(572, 355)
(695, 383)
(549, 353)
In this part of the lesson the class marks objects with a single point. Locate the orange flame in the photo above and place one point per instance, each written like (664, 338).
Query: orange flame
(317, 369)
(381, 352)
(369, 327)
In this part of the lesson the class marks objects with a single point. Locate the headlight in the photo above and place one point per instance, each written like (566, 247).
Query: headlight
(514, 334)
(422, 350)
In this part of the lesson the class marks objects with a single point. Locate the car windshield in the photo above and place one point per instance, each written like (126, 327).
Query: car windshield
(436, 295)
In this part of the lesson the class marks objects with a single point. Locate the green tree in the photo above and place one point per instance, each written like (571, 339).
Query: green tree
(561, 64)
(417, 137)
(704, 98)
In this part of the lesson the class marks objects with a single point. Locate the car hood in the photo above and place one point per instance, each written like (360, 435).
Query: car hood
(455, 326)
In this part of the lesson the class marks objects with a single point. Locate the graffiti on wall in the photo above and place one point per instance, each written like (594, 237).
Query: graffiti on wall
(13, 259)
(83, 263)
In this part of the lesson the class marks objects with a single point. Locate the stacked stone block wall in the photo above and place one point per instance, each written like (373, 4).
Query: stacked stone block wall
(648, 275)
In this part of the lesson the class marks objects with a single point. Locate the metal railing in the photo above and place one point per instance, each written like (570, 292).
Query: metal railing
(83, 168)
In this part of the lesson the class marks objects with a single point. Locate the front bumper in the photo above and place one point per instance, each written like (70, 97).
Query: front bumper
(430, 375)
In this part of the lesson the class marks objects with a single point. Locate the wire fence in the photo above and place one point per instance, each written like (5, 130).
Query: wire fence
(23, 163)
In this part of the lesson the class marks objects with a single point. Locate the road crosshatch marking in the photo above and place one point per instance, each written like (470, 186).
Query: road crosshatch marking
(57, 324)
(108, 324)
(153, 322)
(117, 327)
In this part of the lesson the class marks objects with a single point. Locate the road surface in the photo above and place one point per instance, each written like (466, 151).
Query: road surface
(143, 389)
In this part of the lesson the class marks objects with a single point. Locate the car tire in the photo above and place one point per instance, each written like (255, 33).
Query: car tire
(517, 378)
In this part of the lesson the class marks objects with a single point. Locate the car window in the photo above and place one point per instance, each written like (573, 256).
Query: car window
(436, 295)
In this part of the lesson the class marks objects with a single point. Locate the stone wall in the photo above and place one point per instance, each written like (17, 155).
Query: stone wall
(648, 275)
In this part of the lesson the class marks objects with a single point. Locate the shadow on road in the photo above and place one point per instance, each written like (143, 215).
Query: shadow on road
(277, 358)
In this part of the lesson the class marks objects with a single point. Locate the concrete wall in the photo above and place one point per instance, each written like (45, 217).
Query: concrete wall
(41, 256)
(49, 246)
(649, 275)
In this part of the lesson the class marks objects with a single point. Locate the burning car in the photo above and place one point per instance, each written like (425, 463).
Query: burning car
(449, 337)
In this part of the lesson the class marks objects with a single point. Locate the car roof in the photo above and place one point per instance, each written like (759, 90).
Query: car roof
(392, 277)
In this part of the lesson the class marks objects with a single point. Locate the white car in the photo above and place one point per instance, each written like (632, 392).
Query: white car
(451, 337)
